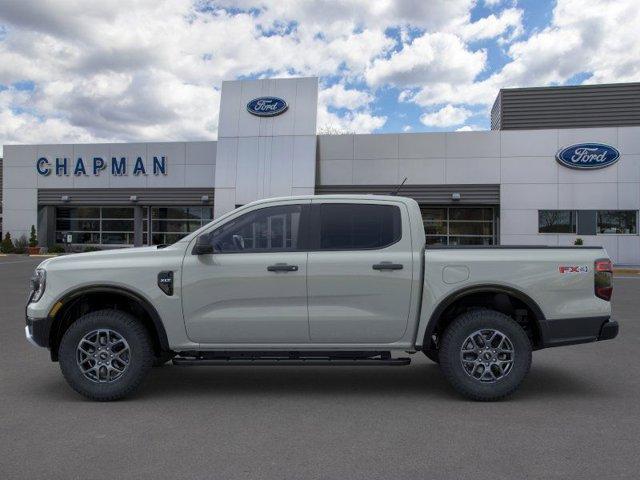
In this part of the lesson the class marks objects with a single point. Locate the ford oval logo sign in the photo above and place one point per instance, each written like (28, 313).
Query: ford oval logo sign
(267, 106)
(588, 156)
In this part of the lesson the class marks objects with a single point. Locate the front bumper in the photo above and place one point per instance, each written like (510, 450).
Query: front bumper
(37, 331)
(571, 331)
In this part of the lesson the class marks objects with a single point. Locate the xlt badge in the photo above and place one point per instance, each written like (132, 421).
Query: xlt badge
(165, 282)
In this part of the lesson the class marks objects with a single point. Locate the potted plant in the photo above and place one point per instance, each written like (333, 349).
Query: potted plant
(33, 249)
(578, 242)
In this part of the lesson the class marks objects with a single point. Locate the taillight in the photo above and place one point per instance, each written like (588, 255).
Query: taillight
(603, 279)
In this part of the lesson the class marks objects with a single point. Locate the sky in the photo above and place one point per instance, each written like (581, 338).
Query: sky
(73, 71)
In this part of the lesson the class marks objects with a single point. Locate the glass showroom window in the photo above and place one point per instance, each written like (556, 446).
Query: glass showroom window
(618, 221)
(170, 224)
(556, 221)
(95, 225)
(459, 225)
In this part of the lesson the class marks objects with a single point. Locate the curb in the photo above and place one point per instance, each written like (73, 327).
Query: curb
(626, 271)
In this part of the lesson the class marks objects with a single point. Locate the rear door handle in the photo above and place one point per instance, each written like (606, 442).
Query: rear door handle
(387, 266)
(282, 267)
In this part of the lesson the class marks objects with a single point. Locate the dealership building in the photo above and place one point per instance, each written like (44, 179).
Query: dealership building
(560, 163)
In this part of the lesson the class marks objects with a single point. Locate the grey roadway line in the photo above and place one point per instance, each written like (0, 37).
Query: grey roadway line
(13, 263)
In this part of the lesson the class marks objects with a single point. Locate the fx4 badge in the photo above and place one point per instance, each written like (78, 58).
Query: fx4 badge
(573, 269)
(165, 282)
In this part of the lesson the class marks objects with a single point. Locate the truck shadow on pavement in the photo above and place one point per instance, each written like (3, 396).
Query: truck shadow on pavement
(422, 380)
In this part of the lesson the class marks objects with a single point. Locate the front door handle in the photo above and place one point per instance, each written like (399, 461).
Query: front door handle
(387, 266)
(282, 267)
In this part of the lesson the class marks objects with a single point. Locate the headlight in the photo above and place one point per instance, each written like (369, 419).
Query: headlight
(37, 284)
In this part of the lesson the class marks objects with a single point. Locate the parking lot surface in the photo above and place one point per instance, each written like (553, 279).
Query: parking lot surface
(576, 416)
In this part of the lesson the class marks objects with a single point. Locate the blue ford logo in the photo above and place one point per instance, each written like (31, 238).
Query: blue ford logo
(588, 156)
(267, 106)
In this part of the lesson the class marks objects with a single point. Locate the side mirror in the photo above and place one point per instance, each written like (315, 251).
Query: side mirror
(203, 246)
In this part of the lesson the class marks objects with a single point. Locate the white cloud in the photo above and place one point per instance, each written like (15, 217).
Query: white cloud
(439, 56)
(509, 22)
(407, 128)
(325, 14)
(340, 97)
(358, 122)
(469, 128)
(447, 116)
(151, 70)
(596, 38)
(357, 119)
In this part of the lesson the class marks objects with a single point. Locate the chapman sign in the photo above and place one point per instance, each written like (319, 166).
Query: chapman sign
(267, 106)
(588, 156)
(118, 166)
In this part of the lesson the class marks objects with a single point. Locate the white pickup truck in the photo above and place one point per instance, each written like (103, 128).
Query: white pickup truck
(319, 280)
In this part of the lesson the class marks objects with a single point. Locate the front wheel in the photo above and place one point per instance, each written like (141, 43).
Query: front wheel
(105, 355)
(485, 355)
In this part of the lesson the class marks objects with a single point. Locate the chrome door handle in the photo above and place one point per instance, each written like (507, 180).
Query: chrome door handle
(388, 266)
(282, 267)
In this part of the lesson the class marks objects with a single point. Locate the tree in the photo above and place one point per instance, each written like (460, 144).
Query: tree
(33, 237)
(331, 129)
(7, 244)
(20, 244)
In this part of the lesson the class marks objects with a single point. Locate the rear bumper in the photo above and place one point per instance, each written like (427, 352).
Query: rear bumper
(571, 331)
(609, 330)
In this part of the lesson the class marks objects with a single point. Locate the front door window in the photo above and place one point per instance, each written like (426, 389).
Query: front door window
(263, 230)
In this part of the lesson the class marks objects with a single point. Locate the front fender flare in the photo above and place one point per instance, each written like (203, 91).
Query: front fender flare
(68, 298)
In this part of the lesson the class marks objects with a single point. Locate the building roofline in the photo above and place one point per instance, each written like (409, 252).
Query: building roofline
(569, 87)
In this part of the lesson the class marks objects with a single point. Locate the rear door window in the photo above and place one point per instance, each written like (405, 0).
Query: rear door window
(346, 226)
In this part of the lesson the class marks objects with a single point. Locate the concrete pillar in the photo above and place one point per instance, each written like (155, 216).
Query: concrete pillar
(46, 227)
(138, 225)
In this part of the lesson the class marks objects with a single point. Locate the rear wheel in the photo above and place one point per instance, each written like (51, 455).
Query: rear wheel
(485, 355)
(105, 355)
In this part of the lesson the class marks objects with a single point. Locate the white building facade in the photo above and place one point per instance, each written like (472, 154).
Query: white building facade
(474, 188)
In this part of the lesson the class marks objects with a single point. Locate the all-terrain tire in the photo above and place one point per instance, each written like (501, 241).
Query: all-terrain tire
(433, 355)
(162, 359)
(140, 357)
(456, 337)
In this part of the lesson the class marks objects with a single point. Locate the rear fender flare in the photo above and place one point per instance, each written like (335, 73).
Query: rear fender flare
(488, 288)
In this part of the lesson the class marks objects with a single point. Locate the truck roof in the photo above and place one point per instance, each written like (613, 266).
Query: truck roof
(339, 196)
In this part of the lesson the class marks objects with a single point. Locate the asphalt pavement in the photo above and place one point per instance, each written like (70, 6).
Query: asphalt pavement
(577, 415)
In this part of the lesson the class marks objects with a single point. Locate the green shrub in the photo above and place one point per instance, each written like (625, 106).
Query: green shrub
(33, 238)
(56, 249)
(578, 242)
(91, 249)
(7, 244)
(20, 244)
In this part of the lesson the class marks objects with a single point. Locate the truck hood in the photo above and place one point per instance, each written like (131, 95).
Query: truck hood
(106, 255)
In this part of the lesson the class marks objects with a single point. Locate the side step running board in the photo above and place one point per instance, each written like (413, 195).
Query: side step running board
(293, 359)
